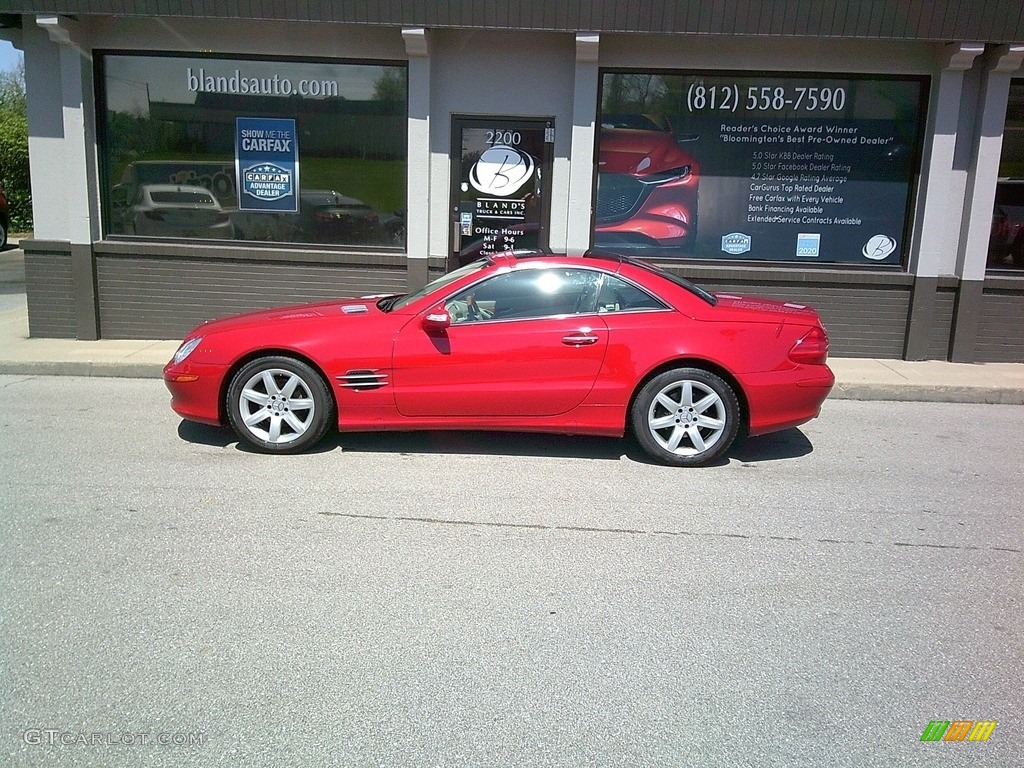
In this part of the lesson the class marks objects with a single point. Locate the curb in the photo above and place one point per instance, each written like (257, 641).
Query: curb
(928, 393)
(103, 370)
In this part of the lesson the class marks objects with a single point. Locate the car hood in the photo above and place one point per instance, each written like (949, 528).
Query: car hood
(639, 153)
(298, 312)
(771, 310)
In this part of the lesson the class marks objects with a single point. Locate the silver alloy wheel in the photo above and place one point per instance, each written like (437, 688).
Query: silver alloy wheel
(687, 418)
(277, 406)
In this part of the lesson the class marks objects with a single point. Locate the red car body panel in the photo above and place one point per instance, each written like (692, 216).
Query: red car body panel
(516, 375)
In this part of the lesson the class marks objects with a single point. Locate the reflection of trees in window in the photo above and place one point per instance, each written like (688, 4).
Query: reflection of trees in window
(633, 92)
(390, 86)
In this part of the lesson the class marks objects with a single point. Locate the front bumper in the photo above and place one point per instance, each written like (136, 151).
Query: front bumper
(196, 391)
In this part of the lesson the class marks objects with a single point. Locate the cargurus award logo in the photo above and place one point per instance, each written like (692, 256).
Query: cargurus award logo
(958, 730)
(266, 164)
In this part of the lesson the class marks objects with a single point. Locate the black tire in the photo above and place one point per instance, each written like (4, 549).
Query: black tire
(3, 235)
(297, 404)
(702, 433)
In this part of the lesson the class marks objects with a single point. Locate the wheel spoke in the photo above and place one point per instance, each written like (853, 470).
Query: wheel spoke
(270, 384)
(687, 397)
(695, 438)
(706, 402)
(275, 428)
(300, 403)
(255, 397)
(254, 418)
(295, 422)
(710, 423)
(667, 402)
(677, 437)
(663, 422)
(290, 385)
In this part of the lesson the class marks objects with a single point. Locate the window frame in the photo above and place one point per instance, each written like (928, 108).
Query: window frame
(106, 182)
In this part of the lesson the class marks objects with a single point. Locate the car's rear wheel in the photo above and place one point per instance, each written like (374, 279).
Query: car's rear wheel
(686, 417)
(278, 405)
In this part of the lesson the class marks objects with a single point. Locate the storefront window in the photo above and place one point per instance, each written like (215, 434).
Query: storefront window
(251, 149)
(1006, 244)
(765, 167)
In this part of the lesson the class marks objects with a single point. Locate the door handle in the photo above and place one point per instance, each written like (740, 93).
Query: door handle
(579, 339)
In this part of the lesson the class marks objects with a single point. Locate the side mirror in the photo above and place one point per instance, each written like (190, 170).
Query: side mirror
(436, 319)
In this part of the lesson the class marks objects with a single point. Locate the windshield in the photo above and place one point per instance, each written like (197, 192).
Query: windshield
(440, 282)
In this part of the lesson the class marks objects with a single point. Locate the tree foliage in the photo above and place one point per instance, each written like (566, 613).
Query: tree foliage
(14, 167)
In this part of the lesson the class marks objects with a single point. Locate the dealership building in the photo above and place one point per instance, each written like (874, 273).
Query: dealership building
(197, 158)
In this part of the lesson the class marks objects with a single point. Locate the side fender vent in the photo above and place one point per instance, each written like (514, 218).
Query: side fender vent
(363, 379)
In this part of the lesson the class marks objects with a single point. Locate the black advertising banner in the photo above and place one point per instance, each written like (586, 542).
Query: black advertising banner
(500, 194)
(767, 167)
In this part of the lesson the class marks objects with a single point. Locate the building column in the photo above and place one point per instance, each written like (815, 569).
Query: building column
(581, 160)
(417, 210)
(62, 154)
(943, 185)
(999, 65)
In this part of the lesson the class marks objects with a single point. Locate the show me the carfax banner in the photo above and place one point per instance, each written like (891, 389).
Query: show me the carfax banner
(267, 164)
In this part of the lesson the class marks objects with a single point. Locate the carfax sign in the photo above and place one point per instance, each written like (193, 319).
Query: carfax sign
(266, 164)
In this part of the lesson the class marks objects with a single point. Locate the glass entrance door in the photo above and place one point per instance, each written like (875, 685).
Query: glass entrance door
(501, 185)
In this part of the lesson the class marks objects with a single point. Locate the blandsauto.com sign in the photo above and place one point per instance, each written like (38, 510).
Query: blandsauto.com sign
(238, 83)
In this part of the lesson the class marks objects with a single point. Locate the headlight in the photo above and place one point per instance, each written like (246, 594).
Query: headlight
(664, 177)
(186, 349)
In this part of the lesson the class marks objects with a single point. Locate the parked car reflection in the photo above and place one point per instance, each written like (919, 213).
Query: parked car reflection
(172, 210)
(1006, 244)
(325, 216)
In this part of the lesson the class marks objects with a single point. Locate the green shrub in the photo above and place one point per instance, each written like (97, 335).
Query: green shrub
(14, 168)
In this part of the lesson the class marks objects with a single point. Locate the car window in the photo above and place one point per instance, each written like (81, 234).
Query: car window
(617, 295)
(527, 293)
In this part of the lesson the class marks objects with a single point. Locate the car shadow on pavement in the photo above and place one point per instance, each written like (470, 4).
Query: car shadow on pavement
(789, 444)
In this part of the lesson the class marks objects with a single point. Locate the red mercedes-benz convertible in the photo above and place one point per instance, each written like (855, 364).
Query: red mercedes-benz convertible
(595, 345)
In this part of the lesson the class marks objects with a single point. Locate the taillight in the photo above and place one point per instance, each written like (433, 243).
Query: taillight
(812, 349)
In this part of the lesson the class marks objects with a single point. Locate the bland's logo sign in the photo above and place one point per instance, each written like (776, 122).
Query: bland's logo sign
(878, 247)
(266, 164)
(501, 171)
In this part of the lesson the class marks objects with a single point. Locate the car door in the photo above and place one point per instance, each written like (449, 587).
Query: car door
(523, 343)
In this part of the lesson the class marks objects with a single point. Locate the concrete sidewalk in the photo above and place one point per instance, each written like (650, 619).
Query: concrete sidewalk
(856, 378)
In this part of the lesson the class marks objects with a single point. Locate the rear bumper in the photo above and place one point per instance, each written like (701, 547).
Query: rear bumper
(783, 399)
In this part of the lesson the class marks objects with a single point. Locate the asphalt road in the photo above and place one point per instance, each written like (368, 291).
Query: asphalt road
(494, 600)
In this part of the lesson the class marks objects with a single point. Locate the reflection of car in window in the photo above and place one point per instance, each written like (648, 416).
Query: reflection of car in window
(1006, 244)
(646, 188)
(329, 217)
(172, 210)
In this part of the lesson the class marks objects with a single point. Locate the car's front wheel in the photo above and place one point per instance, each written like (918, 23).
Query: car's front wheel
(278, 405)
(686, 417)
